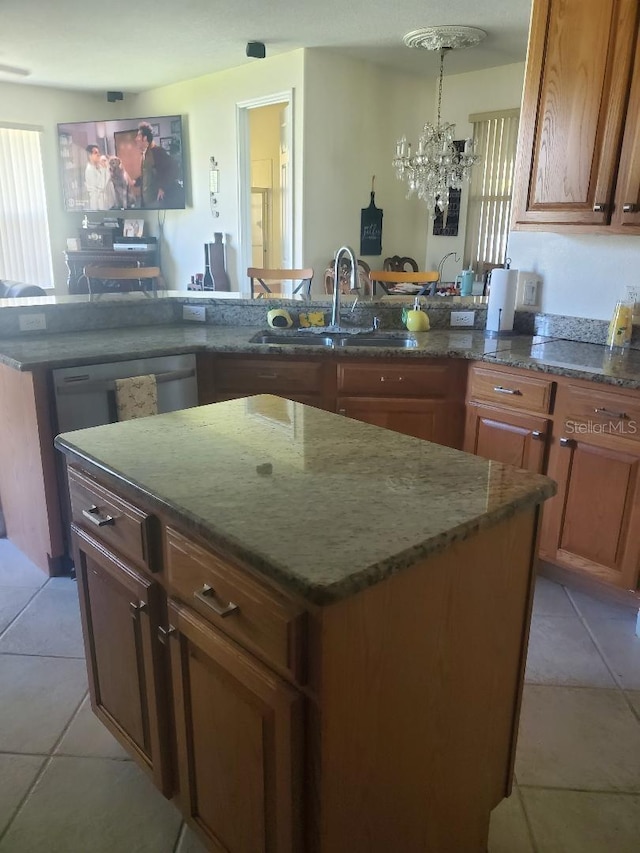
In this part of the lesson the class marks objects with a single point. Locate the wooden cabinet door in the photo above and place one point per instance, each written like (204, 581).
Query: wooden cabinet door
(626, 214)
(574, 102)
(506, 436)
(441, 421)
(239, 734)
(593, 523)
(121, 611)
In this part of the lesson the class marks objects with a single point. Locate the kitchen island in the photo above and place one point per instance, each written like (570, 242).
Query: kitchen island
(345, 611)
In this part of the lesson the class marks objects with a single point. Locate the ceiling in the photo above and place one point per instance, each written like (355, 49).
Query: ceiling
(133, 46)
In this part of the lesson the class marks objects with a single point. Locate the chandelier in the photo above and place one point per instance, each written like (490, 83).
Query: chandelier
(439, 164)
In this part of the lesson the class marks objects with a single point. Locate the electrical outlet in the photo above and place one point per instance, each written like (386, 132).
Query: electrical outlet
(463, 318)
(32, 322)
(194, 312)
(632, 293)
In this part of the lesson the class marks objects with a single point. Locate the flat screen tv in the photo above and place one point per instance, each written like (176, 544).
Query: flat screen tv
(123, 164)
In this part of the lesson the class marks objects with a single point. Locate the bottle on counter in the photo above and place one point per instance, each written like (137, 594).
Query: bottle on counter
(208, 278)
(621, 325)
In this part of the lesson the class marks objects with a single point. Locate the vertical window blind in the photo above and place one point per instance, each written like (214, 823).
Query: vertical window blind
(25, 248)
(489, 209)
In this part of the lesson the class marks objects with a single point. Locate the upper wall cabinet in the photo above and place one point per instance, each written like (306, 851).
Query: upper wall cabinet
(578, 163)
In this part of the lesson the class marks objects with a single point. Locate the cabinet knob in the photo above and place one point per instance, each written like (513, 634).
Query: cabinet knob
(567, 442)
(342, 411)
(538, 435)
(599, 208)
(165, 633)
(630, 208)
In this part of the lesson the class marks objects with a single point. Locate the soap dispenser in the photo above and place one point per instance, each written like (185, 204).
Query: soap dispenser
(415, 319)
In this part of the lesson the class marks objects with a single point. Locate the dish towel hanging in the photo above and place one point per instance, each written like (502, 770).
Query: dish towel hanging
(136, 397)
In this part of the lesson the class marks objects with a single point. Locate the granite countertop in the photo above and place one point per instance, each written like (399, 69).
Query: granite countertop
(560, 357)
(323, 505)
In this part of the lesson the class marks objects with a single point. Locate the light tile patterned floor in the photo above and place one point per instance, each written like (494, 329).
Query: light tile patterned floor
(66, 786)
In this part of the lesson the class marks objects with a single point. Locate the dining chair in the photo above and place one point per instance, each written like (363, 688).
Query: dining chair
(390, 278)
(97, 275)
(400, 264)
(267, 282)
(364, 282)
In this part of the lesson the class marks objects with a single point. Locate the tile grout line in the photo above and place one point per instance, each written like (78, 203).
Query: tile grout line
(610, 669)
(42, 770)
(21, 611)
(527, 821)
(612, 791)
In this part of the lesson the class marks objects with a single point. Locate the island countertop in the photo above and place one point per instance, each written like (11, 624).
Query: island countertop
(321, 504)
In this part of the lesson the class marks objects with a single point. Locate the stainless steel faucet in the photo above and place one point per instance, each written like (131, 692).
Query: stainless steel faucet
(335, 310)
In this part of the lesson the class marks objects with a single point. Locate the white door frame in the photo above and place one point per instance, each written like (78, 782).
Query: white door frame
(244, 178)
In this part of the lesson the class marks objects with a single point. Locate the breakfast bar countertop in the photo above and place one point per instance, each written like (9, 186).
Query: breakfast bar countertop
(545, 354)
(301, 495)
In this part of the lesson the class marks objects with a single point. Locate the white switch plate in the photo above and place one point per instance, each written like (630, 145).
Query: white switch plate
(32, 322)
(194, 312)
(463, 318)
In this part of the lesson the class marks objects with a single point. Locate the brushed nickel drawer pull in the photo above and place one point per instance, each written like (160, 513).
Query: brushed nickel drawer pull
(207, 596)
(499, 389)
(621, 416)
(630, 208)
(136, 607)
(267, 376)
(392, 379)
(567, 442)
(94, 516)
(165, 633)
(539, 436)
(599, 208)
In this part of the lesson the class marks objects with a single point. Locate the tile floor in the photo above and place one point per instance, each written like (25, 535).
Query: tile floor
(67, 787)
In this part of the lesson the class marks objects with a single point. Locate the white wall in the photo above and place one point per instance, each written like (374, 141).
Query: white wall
(582, 276)
(209, 105)
(354, 112)
(45, 108)
(462, 95)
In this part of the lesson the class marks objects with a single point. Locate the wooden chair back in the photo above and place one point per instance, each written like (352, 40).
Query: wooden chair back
(259, 278)
(345, 272)
(117, 273)
(397, 264)
(387, 278)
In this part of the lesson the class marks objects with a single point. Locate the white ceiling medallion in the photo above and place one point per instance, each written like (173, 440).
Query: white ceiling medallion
(443, 38)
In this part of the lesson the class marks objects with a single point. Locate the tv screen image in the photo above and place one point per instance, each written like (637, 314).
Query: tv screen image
(122, 164)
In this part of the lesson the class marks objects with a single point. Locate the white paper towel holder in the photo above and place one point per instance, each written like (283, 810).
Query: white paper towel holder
(501, 333)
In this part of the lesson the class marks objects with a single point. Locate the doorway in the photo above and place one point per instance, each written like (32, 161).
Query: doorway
(265, 204)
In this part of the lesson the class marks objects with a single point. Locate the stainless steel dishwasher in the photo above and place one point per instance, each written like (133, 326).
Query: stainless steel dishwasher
(85, 395)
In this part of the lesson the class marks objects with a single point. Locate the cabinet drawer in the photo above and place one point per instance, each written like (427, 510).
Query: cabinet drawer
(599, 412)
(394, 379)
(262, 375)
(117, 523)
(252, 614)
(512, 390)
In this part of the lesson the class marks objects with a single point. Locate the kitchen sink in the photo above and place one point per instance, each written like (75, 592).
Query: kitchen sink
(384, 342)
(294, 339)
(335, 340)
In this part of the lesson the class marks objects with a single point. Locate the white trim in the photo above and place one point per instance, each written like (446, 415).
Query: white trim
(244, 177)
